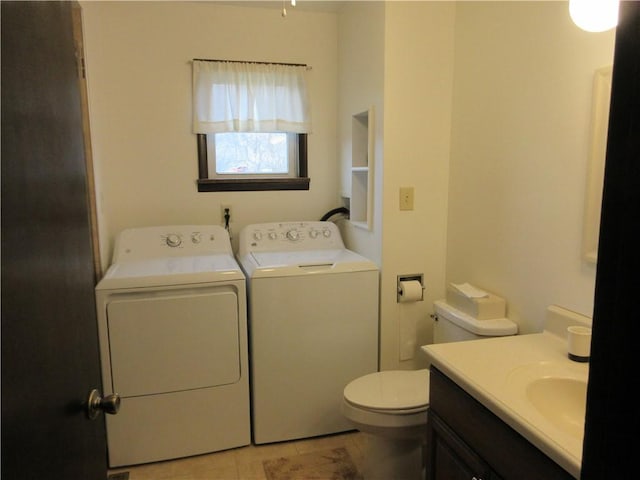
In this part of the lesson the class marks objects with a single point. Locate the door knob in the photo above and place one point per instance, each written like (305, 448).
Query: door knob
(96, 403)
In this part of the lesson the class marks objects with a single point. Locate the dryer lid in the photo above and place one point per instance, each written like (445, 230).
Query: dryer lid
(172, 271)
(390, 390)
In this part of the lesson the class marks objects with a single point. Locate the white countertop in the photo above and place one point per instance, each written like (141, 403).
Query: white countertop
(495, 370)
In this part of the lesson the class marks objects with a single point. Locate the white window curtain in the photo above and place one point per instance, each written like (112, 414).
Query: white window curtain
(249, 97)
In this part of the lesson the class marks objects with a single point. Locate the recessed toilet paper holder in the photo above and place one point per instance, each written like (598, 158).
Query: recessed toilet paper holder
(417, 277)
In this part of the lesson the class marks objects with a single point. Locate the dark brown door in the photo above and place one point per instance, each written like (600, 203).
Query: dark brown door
(50, 358)
(612, 423)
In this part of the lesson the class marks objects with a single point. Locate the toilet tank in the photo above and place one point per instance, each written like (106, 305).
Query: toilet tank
(453, 325)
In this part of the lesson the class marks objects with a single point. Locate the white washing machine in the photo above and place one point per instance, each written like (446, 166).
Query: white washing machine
(172, 320)
(313, 322)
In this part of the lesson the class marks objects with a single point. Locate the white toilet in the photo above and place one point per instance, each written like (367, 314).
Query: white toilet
(391, 406)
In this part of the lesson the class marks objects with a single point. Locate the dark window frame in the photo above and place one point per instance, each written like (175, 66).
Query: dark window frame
(206, 184)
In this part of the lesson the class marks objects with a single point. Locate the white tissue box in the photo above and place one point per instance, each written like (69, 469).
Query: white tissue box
(484, 308)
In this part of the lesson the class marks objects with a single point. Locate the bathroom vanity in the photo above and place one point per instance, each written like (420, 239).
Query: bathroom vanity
(507, 408)
(466, 440)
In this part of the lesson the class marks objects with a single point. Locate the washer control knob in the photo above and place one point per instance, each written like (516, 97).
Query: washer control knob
(196, 237)
(273, 235)
(293, 235)
(257, 235)
(326, 232)
(313, 234)
(174, 240)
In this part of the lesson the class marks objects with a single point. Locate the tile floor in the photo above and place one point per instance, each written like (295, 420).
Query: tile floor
(244, 463)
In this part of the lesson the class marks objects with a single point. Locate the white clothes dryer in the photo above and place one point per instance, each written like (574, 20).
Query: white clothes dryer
(172, 321)
(313, 321)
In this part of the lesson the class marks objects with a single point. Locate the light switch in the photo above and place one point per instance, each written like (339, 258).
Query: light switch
(406, 198)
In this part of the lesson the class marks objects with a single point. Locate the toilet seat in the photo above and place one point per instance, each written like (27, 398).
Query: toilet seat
(394, 392)
(395, 411)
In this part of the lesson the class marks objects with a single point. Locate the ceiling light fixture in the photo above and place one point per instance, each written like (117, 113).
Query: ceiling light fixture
(594, 15)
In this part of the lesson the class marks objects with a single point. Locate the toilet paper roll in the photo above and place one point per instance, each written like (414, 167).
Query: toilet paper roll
(410, 291)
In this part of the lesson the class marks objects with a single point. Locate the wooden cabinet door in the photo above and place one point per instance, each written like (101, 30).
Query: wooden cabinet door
(449, 457)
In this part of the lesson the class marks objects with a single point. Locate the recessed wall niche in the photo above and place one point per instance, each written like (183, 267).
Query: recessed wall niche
(362, 148)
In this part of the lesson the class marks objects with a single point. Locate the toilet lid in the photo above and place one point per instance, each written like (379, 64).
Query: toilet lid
(390, 390)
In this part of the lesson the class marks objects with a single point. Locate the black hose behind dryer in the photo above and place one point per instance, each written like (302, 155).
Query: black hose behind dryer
(335, 211)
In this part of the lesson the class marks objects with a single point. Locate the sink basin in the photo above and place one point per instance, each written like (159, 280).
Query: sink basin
(562, 401)
(556, 391)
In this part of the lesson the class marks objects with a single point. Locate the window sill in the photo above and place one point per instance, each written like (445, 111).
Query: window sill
(253, 184)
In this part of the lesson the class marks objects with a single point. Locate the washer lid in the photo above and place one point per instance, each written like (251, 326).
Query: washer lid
(304, 262)
(304, 257)
(392, 390)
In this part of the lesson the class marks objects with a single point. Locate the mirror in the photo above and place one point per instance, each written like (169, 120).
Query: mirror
(597, 153)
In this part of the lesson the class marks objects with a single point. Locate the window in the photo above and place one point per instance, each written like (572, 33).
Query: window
(251, 121)
(239, 171)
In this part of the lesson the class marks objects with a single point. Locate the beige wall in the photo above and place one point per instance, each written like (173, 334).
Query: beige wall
(361, 36)
(398, 58)
(519, 151)
(488, 104)
(484, 116)
(417, 98)
(139, 80)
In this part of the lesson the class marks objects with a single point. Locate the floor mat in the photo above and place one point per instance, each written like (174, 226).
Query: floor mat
(332, 464)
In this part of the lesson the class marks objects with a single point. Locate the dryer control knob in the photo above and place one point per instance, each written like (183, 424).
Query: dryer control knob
(257, 235)
(293, 235)
(173, 240)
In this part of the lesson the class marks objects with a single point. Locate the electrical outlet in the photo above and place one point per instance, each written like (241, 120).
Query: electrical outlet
(223, 211)
(406, 198)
